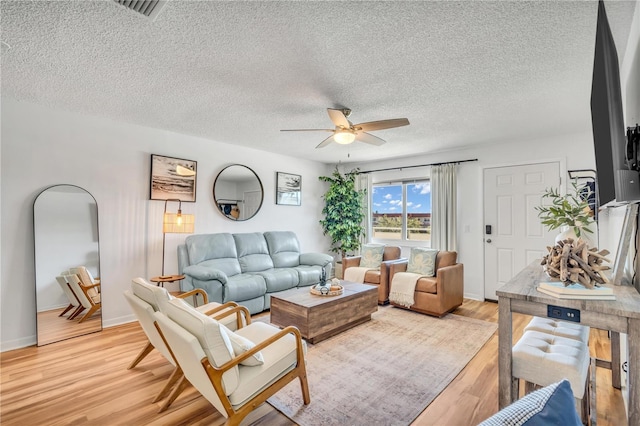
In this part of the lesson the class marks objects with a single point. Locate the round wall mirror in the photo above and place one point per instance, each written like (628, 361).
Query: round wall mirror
(238, 192)
(65, 227)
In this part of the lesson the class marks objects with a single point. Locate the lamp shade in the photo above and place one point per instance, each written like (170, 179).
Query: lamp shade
(176, 223)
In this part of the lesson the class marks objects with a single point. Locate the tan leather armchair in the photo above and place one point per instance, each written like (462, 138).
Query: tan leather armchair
(379, 278)
(439, 294)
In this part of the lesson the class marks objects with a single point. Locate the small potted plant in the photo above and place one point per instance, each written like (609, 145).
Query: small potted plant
(570, 212)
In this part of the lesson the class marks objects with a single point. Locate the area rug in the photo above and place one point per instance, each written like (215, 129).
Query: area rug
(383, 372)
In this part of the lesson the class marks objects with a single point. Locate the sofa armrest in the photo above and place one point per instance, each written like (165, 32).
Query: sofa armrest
(320, 259)
(397, 266)
(450, 281)
(349, 262)
(206, 274)
(385, 270)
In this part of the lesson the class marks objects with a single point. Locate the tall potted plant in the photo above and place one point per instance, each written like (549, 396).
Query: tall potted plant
(343, 212)
(570, 212)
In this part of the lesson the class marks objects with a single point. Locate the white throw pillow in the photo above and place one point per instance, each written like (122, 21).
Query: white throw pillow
(241, 345)
(372, 255)
(422, 261)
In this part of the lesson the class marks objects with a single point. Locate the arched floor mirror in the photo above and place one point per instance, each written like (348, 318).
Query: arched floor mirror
(65, 225)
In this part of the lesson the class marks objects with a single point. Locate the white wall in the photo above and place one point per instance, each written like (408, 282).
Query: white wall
(574, 151)
(111, 160)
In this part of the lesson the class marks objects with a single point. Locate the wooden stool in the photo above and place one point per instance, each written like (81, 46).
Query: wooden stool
(541, 359)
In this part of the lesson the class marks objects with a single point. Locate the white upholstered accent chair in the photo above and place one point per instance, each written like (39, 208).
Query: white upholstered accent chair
(89, 300)
(74, 303)
(235, 377)
(145, 299)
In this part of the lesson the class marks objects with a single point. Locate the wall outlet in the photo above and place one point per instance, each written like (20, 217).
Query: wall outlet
(566, 314)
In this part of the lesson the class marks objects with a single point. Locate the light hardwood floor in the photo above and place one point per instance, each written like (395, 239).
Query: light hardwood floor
(85, 380)
(53, 328)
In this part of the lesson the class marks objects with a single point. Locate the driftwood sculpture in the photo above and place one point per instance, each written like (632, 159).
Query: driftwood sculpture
(574, 262)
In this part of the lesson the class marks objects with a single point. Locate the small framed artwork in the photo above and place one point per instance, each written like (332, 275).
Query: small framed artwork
(173, 178)
(288, 189)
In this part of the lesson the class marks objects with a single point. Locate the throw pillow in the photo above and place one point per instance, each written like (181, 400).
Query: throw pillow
(372, 256)
(422, 261)
(551, 405)
(240, 345)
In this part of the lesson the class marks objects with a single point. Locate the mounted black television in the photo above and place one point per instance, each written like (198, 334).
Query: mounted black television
(618, 180)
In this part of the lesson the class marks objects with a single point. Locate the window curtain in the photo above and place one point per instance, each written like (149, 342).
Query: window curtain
(363, 181)
(443, 207)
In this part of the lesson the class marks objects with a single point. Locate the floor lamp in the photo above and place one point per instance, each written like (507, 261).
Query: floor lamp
(175, 223)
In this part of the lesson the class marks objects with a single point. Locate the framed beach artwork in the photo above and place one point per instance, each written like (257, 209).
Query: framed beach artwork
(288, 189)
(173, 178)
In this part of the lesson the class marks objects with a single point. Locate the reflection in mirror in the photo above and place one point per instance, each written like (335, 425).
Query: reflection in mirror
(238, 192)
(65, 225)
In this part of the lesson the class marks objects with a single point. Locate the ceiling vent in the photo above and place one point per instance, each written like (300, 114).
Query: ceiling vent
(149, 8)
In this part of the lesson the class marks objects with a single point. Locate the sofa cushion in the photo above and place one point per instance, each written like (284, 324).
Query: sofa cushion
(371, 255)
(210, 246)
(284, 248)
(308, 274)
(279, 279)
(253, 253)
(244, 287)
(551, 405)
(212, 338)
(279, 358)
(422, 261)
(241, 345)
(229, 265)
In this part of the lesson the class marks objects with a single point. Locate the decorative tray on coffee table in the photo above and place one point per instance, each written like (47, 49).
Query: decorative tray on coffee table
(336, 290)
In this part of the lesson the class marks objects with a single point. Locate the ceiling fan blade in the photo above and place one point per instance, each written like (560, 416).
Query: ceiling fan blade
(306, 130)
(325, 142)
(369, 138)
(381, 124)
(338, 118)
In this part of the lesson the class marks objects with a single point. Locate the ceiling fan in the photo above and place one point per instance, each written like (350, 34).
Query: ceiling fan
(346, 132)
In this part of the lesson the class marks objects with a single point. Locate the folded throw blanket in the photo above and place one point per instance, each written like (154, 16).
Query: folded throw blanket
(356, 274)
(402, 288)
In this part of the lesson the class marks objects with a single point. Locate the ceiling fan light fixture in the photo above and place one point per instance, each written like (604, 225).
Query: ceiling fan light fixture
(344, 137)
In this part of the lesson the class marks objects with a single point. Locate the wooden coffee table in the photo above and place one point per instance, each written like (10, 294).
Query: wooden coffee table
(320, 317)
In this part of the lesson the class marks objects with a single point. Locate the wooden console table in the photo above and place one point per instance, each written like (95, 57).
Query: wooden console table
(618, 316)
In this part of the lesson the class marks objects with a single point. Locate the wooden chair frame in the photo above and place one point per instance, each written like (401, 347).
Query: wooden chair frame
(235, 416)
(177, 373)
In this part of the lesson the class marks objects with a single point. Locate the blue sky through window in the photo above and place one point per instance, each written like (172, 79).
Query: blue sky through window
(388, 198)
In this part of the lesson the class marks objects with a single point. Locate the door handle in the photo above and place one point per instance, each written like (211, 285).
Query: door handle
(489, 240)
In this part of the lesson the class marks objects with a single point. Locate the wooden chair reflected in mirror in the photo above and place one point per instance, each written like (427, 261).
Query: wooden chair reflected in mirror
(74, 303)
(88, 296)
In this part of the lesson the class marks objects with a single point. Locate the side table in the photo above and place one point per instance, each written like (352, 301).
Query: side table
(166, 279)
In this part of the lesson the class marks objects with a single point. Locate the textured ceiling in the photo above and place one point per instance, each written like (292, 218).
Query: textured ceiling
(463, 73)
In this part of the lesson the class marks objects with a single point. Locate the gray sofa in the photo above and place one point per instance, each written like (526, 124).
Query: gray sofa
(248, 268)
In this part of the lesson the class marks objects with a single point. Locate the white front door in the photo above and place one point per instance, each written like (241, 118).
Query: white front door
(252, 200)
(514, 236)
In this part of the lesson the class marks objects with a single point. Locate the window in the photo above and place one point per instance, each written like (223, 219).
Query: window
(402, 211)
